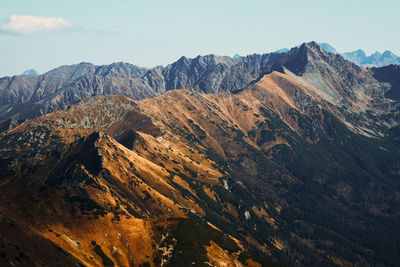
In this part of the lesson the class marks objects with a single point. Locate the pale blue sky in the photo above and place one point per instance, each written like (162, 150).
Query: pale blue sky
(149, 33)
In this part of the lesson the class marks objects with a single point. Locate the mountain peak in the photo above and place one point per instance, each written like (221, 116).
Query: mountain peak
(376, 54)
(358, 56)
(388, 53)
(236, 56)
(311, 47)
(328, 48)
(325, 46)
(283, 50)
(30, 72)
(312, 44)
(376, 59)
(72, 71)
(298, 58)
(360, 51)
(182, 58)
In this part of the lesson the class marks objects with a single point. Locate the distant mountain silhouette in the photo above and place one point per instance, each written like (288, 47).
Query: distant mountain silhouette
(375, 60)
(30, 72)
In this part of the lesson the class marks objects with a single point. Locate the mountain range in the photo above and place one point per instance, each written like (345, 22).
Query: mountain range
(359, 57)
(262, 160)
(25, 97)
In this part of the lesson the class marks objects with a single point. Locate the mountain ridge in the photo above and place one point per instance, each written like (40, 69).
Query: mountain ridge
(27, 97)
(359, 57)
(288, 158)
(270, 166)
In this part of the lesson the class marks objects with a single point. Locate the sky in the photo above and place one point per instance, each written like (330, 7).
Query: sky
(44, 34)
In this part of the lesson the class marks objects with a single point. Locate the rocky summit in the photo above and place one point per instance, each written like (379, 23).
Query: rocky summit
(359, 57)
(280, 159)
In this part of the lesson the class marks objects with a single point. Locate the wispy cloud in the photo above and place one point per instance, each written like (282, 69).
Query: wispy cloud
(26, 25)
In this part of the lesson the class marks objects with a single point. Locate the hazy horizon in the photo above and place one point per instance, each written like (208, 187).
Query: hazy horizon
(43, 35)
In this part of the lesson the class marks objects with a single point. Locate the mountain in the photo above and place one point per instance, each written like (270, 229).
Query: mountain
(375, 60)
(30, 72)
(26, 97)
(328, 48)
(236, 56)
(268, 159)
(141, 190)
(283, 50)
(359, 57)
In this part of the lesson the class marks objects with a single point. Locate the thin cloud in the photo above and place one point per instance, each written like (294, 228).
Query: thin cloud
(27, 25)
